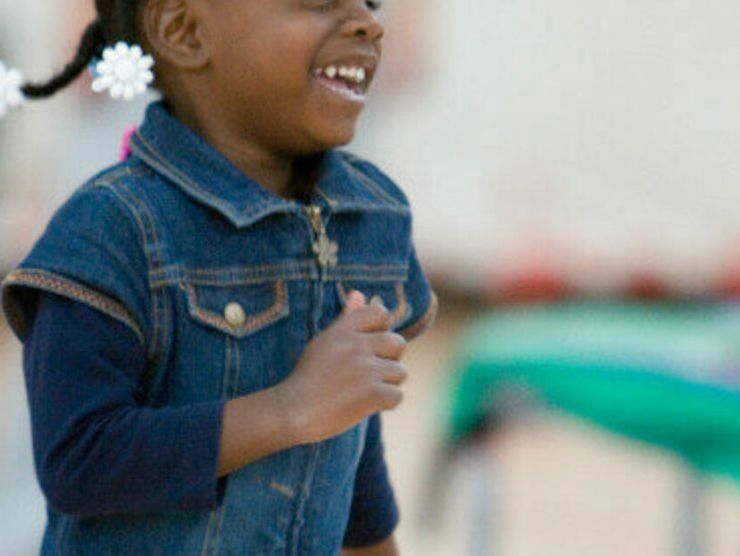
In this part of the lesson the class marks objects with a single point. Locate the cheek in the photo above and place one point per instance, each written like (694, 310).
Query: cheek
(278, 55)
(290, 58)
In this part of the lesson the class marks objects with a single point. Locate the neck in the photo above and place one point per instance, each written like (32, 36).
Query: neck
(285, 176)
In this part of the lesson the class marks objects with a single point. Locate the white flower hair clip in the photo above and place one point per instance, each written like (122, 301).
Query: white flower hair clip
(11, 95)
(125, 71)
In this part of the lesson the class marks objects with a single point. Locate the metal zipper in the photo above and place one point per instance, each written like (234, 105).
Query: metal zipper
(325, 250)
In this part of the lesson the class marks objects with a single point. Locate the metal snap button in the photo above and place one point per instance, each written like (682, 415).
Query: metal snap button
(234, 314)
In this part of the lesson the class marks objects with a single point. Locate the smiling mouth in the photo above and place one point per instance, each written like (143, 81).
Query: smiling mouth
(348, 81)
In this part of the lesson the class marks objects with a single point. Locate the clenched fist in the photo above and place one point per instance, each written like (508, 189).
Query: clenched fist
(351, 370)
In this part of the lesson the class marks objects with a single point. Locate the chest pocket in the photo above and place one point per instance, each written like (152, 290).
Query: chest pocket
(237, 310)
(391, 293)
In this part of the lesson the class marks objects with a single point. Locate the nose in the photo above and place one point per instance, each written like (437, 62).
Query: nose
(362, 22)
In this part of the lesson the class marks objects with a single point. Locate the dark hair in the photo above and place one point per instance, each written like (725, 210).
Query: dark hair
(116, 20)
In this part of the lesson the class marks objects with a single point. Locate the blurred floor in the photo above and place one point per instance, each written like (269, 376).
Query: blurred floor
(564, 488)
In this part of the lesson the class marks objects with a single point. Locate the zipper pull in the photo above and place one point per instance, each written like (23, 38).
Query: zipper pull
(326, 251)
(314, 214)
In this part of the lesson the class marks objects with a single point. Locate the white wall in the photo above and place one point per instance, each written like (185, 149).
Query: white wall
(602, 134)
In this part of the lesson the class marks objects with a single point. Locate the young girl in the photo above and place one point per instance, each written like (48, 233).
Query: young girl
(211, 326)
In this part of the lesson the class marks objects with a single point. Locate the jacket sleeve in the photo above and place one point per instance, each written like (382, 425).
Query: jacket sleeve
(91, 251)
(423, 300)
(374, 512)
(97, 449)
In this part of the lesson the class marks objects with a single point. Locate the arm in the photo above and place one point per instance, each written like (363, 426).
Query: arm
(99, 450)
(254, 426)
(423, 300)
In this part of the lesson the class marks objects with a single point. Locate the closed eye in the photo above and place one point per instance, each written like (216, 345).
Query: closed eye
(373, 5)
(322, 4)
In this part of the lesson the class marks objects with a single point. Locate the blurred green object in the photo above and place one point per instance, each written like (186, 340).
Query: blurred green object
(665, 374)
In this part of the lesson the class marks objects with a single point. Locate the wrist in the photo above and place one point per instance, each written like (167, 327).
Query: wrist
(291, 418)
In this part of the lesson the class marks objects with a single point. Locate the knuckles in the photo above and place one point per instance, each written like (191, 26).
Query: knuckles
(392, 343)
(397, 340)
(403, 373)
(375, 315)
(390, 398)
(394, 398)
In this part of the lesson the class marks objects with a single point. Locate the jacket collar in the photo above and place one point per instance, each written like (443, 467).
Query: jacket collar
(186, 159)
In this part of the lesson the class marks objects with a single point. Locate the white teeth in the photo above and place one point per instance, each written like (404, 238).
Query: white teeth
(356, 74)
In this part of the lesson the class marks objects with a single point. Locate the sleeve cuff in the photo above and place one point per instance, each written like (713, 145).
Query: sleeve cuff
(51, 282)
(374, 514)
(372, 532)
(424, 323)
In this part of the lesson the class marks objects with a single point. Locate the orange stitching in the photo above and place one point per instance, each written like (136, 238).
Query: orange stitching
(227, 368)
(375, 189)
(401, 307)
(127, 198)
(402, 304)
(254, 322)
(235, 385)
(68, 288)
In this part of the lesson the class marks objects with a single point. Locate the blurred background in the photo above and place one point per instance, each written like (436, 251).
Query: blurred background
(574, 173)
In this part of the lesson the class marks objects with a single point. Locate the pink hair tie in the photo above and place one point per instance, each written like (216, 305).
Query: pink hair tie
(125, 151)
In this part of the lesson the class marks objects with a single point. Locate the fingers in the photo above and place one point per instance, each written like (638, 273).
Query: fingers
(388, 345)
(354, 300)
(393, 372)
(377, 301)
(372, 317)
(390, 396)
(369, 318)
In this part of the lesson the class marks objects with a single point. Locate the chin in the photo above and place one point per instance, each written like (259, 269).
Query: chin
(334, 136)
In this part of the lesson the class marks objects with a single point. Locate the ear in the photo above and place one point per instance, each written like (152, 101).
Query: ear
(174, 31)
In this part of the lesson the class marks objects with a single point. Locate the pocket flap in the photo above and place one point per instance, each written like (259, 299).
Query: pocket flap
(238, 310)
(392, 294)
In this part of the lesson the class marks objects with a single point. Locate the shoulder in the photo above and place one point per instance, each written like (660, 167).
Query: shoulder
(370, 171)
(94, 226)
(91, 251)
(101, 203)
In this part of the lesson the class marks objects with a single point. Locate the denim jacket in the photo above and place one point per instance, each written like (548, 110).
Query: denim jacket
(224, 283)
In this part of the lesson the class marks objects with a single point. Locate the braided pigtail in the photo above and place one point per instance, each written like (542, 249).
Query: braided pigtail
(122, 68)
(91, 45)
(125, 19)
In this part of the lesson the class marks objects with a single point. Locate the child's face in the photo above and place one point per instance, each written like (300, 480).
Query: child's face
(265, 57)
